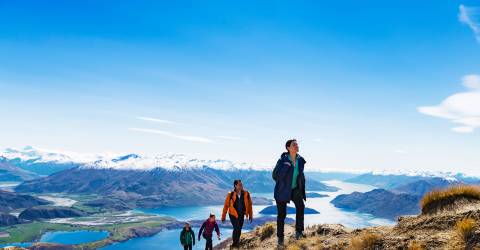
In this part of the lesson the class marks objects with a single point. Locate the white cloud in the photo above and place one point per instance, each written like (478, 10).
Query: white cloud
(463, 129)
(470, 16)
(173, 135)
(232, 138)
(460, 108)
(400, 151)
(150, 119)
(471, 81)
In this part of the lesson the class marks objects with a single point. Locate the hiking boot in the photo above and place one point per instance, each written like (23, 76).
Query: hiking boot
(299, 235)
(280, 243)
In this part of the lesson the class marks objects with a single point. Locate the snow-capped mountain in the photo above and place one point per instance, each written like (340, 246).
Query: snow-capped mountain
(169, 162)
(42, 161)
(31, 156)
(39, 155)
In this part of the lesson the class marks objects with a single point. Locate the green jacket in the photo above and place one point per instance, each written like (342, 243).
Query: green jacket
(185, 239)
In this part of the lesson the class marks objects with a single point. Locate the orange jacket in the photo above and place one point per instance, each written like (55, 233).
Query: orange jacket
(230, 201)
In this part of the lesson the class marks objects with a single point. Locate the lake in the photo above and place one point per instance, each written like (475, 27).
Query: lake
(169, 239)
(63, 237)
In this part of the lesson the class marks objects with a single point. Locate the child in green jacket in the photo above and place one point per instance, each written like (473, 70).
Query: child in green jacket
(187, 237)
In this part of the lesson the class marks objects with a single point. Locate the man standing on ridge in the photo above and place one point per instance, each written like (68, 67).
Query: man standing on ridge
(290, 186)
(238, 203)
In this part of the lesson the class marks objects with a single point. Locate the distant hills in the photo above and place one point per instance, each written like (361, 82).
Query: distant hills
(10, 201)
(10, 172)
(399, 200)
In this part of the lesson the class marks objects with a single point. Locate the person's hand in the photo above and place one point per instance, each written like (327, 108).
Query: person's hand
(218, 237)
(198, 238)
(251, 219)
(223, 221)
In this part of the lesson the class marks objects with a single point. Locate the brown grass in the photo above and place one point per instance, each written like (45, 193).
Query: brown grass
(415, 246)
(465, 228)
(435, 198)
(267, 231)
(364, 241)
(298, 245)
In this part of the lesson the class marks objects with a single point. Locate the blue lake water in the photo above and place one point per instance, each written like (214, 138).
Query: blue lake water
(168, 239)
(75, 237)
(63, 237)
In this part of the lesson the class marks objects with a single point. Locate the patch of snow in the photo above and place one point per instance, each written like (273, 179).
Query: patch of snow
(59, 201)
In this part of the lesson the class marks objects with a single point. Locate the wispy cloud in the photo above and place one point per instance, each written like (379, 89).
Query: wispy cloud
(150, 119)
(470, 16)
(400, 151)
(231, 138)
(173, 135)
(460, 108)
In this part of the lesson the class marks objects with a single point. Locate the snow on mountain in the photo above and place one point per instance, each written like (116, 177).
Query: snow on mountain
(450, 176)
(168, 161)
(39, 155)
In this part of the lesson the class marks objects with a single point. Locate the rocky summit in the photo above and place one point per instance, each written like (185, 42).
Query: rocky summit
(450, 219)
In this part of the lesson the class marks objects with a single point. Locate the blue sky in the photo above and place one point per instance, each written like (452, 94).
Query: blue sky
(359, 84)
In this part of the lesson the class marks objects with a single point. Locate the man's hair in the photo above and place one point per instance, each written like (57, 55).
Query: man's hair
(235, 182)
(211, 216)
(289, 142)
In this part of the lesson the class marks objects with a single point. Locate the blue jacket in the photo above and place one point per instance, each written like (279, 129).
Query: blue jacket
(283, 174)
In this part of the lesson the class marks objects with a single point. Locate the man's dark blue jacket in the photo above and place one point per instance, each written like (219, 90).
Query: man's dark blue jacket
(283, 175)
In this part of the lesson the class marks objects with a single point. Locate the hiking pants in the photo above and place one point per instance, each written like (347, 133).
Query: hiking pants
(237, 224)
(297, 198)
(209, 244)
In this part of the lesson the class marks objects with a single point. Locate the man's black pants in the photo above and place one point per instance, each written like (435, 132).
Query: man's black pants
(209, 244)
(237, 224)
(187, 247)
(297, 198)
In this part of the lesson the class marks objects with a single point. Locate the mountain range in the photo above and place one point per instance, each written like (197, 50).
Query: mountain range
(166, 180)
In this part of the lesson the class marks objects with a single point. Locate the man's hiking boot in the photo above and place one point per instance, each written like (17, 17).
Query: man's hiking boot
(299, 235)
(280, 244)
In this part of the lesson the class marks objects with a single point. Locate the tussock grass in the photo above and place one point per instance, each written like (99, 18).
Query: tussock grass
(364, 241)
(433, 199)
(465, 228)
(298, 245)
(267, 231)
(414, 245)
